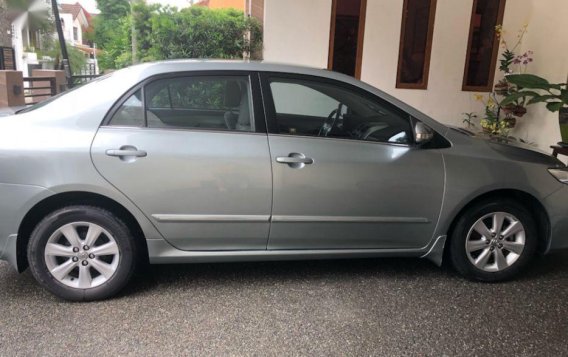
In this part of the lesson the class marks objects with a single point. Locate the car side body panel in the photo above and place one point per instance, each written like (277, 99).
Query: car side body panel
(354, 195)
(47, 151)
(202, 190)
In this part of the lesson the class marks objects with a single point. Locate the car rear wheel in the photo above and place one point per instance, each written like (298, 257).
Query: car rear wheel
(82, 253)
(493, 241)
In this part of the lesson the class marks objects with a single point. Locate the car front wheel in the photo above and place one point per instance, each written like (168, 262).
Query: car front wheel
(82, 253)
(493, 241)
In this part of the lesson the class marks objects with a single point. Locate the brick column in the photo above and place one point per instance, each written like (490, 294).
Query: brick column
(11, 89)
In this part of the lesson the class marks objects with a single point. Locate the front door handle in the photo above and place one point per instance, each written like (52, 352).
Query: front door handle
(295, 160)
(121, 153)
(127, 153)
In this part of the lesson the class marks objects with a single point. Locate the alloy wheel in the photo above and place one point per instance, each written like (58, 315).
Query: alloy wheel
(82, 255)
(495, 242)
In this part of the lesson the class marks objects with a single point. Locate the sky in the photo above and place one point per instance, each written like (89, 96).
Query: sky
(91, 5)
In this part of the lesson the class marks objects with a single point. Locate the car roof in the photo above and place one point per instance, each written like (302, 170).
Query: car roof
(154, 68)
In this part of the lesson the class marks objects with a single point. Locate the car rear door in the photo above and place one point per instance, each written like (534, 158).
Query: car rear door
(346, 172)
(191, 151)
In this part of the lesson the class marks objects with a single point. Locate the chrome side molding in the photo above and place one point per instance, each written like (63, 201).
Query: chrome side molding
(282, 219)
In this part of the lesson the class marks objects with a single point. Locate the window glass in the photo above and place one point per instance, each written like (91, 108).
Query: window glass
(294, 98)
(483, 44)
(219, 103)
(130, 112)
(312, 108)
(416, 43)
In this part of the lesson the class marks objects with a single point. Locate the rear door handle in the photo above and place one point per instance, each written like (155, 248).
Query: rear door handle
(295, 160)
(127, 153)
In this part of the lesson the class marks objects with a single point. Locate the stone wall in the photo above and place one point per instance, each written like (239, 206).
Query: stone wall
(5, 26)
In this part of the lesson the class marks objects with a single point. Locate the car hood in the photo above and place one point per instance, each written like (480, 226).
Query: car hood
(513, 149)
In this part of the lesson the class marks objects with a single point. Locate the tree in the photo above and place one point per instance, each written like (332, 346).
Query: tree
(113, 9)
(112, 13)
(198, 32)
(167, 33)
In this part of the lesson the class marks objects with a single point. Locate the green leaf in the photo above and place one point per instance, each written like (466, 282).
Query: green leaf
(554, 106)
(542, 98)
(528, 81)
(517, 95)
(564, 95)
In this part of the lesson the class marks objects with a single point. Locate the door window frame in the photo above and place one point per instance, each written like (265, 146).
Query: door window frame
(257, 110)
(270, 108)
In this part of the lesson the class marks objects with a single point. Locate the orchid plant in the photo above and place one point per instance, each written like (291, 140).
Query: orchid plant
(510, 62)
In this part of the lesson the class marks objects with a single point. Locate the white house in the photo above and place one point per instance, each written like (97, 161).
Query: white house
(75, 21)
(25, 38)
(433, 54)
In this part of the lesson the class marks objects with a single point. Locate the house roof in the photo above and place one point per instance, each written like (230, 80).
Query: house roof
(76, 10)
(73, 9)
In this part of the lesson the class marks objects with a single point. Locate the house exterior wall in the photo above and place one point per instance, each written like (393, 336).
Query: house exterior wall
(224, 4)
(68, 29)
(297, 31)
(255, 8)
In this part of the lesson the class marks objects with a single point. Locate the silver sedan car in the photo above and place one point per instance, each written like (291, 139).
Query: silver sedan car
(205, 161)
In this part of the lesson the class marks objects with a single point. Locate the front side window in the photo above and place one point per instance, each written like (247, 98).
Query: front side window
(218, 103)
(323, 109)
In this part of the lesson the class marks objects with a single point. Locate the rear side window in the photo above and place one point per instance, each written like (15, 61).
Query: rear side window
(201, 102)
(308, 107)
(131, 112)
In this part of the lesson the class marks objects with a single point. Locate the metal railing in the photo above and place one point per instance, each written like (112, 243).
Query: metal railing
(81, 79)
(32, 91)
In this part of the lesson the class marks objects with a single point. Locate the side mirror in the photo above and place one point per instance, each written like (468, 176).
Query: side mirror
(422, 133)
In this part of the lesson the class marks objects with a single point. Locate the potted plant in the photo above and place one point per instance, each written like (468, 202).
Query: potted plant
(502, 87)
(536, 89)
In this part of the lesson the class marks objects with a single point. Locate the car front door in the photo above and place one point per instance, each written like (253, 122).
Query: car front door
(191, 153)
(346, 171)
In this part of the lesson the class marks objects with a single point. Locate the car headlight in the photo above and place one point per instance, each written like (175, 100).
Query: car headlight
(560, 174)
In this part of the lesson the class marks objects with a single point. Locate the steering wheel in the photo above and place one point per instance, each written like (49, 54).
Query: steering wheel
(329, 123)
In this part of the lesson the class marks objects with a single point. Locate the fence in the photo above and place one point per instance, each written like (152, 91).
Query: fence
(17, 90)
(39, 89)
(7, 59)
(81, 79)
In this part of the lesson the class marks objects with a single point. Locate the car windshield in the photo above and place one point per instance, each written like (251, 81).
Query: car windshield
(62, 94)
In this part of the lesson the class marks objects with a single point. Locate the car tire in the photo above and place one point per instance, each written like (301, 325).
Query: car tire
(63, 263)
(478, 246)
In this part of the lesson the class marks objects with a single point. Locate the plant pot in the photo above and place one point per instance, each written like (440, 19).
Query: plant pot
(502, 88)
(563, 122)
(519, 111)
(510, 122)
(509, 109)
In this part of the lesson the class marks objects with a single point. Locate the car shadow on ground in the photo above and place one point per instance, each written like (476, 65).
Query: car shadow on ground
(151, 278)
(159, 279)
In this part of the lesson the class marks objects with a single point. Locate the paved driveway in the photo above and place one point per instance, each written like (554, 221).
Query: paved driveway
(354, 307)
